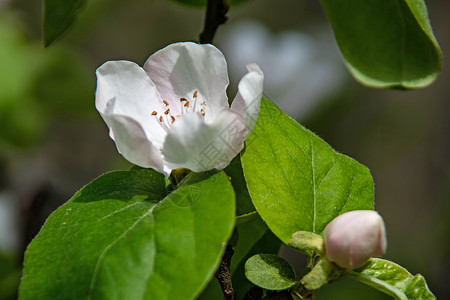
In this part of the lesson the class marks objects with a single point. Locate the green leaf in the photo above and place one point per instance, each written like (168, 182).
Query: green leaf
(270, 271)
(59, 17)
(393, 280)
(244, 205)
(254, 238)
(121, 237)
(386, 43)
(298, 182)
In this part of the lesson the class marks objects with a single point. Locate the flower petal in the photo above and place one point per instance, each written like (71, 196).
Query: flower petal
(132, 142)
(181, 69)
(134, 95)
(248, 99)
(199, 146)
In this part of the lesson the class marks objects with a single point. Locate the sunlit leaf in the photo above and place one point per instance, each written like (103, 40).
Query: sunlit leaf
(298, 182)
(393, 280)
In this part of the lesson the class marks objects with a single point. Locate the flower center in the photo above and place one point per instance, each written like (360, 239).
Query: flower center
(166, 118)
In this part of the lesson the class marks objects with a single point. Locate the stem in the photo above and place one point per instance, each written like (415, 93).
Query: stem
(223, 274)
(216, 11)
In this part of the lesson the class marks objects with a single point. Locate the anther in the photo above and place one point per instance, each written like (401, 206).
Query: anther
(183, 99)
(167, 112)
(154, 113)
(186, 104)
(195, 94)
(173, 119)
(166, 103)
(161, 119)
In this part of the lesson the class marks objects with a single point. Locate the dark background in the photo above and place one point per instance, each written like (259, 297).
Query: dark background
(52, 141)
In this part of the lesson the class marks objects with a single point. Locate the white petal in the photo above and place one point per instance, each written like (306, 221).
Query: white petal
(248, 99)
(133, 144)
(181, 69)
(199, 146)
(134, 95)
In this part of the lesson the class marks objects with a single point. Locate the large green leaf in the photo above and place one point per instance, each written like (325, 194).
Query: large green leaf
(386, 43)
(393, 280)
(298, 182)
(121, 237)
(59, 17)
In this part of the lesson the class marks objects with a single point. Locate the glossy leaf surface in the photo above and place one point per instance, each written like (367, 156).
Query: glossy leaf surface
(298, 182)
(121, 237)
(393, 280)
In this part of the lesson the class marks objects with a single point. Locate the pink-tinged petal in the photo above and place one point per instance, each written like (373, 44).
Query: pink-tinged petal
(180, 69)
(133, 144)
(354, 237)
(199, 146)
(123, 88)
(248, 98)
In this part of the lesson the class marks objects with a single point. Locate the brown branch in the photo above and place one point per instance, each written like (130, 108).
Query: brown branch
(216, 11)
(223, 274)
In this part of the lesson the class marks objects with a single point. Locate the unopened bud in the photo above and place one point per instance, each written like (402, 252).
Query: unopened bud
(354, 237)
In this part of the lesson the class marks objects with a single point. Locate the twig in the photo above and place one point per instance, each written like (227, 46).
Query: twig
(223, 274)
(216, 11)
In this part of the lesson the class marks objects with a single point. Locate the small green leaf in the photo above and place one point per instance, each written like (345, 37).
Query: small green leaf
(270, 271)
(59, 17)
(307, 241)
(386, 43)
(298, 182)
(393, 280)
(121, 237)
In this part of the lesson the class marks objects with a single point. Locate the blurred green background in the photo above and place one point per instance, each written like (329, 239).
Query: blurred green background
(52, 140)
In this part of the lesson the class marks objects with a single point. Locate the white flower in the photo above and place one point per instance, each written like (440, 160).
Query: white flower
(174, 112)
(354, 237)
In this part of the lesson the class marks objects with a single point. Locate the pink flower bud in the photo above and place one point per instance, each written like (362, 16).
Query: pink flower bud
(354, 237)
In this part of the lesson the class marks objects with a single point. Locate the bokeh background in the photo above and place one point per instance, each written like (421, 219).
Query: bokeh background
(52, 140)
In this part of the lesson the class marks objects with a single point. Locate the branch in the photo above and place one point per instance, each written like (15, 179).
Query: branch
(223, 274)
(216, 11)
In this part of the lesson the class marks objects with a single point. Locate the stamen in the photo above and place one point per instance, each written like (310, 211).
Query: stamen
(154, 113)
(195, 102)
(166, 103)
